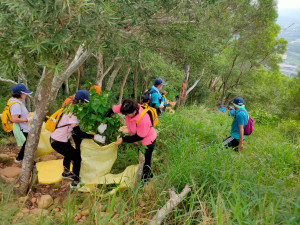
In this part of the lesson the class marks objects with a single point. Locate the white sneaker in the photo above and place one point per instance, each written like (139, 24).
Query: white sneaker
(18, 160)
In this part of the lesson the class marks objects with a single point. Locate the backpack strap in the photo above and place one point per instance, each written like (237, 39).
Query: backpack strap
(14, 103)
(246, 114)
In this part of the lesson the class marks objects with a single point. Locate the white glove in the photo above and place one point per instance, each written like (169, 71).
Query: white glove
(102, 128)
(99, 138)
(30, 119)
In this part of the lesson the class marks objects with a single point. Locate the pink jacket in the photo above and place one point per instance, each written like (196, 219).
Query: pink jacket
(144, 128)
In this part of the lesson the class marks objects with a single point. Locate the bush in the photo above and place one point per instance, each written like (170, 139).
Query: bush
(291, 128)
(261, 117)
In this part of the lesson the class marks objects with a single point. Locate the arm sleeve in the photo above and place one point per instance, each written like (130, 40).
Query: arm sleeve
(15, 109)
(116, 109)
(80, 134)
(133, 138)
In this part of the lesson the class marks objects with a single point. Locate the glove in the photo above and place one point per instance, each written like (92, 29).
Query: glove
(102, 128)
(99, 138)
(30, 119)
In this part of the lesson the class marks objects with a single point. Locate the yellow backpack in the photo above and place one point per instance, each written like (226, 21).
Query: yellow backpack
(7, 124)
(53, 120)
(151, 112)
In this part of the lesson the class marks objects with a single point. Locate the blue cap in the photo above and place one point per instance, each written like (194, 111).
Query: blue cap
(238, 102)
(20, 88)
(82, 95)
(159, 81)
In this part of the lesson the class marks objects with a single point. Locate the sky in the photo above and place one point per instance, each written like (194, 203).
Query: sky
(288, 4)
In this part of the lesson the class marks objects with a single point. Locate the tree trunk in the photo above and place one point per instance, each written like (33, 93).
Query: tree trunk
(196, 82)
(78, 80)
(112, 77)
(144, 85)
(135, 83)
(214, 84)
(184, 84)
(67, 89)
(225, 83)
(41, 99)
(46, 93)
(123, 84)
(100, 68)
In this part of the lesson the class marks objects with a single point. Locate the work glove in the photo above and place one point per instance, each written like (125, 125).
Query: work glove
(102, 128)
(30, 119)
(99, 138)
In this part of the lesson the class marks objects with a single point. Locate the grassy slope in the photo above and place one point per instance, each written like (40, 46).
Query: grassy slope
(258, 186)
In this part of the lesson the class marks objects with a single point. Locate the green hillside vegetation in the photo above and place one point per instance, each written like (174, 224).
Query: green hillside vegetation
(259, 185)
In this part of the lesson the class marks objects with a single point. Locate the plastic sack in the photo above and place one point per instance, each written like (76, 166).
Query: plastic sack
(123, 180)
(96, 163)
(96, 160)
(49, 172)
(44, 146)
(20, 138)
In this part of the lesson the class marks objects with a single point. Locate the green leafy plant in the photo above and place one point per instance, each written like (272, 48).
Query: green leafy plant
(92, 114)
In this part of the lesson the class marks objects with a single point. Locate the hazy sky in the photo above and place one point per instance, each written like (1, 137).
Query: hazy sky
(284, 4)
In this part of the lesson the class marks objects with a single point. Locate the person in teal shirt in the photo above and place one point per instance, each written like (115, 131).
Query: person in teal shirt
(155, 100)
(239, 122)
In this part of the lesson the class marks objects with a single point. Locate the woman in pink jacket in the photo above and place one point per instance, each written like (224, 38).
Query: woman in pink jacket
(144, 132)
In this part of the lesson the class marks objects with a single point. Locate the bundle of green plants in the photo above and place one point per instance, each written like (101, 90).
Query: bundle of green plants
(92, 114)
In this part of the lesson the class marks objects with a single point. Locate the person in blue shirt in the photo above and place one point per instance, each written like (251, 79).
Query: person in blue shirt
(155, 100)
(164, 99)
(236, 138)
(231, 111)
(223, 109)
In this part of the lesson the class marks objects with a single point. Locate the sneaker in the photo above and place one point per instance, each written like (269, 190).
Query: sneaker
(67, 176)
(17, 160)
(74, 184)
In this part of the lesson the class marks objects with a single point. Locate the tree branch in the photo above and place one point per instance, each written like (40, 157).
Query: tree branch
(175, 199)
(7, 81)
(196, 82)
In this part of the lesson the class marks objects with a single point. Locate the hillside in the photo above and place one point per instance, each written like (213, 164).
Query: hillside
(260, 185)
(289, 21)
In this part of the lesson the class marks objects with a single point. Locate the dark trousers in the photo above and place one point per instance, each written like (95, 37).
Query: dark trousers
(21, 153)
(231, 142)
(147, 172)
(70, 154)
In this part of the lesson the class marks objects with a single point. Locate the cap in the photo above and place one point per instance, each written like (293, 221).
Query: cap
(159, 81)
(20, 88)
(98, 89)
(82, 95)
(238, 102)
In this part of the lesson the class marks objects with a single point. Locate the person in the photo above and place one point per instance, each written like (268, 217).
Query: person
(60, 140)
(222, 109)
(155, 100)
(144, 132)
(19, 113)
(164, 99)
(177, 98)
(236, 138)
(231, 111)
(69, 99)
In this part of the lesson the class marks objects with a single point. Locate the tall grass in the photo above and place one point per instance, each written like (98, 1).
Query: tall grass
(259, 185)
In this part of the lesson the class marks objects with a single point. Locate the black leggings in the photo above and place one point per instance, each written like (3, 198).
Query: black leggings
(70, 154)
(21, 153)
(147, 172)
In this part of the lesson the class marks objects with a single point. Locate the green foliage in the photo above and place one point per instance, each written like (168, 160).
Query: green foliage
(261, 117)
(92, 114)
(291, 128)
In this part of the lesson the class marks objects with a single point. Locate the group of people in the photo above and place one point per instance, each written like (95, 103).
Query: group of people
(143, 131)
